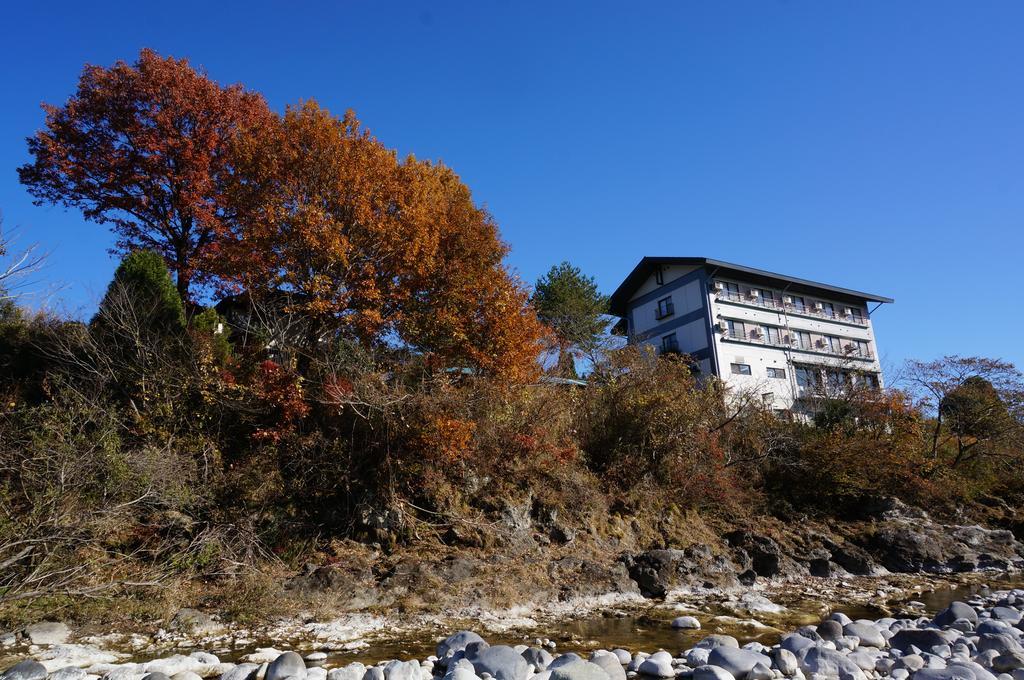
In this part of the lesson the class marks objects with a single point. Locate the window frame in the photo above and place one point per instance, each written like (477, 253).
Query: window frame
(737, 369)
(668, 310)
(669, 343)
(775, 373)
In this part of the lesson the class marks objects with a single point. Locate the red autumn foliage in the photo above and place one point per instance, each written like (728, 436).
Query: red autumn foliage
(143, 147)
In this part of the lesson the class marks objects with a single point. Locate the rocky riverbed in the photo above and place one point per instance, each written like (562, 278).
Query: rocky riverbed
(979, 638)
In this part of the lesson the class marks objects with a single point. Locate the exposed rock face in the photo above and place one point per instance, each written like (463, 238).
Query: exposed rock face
(922, 545)
(48, 633)
(658, 571)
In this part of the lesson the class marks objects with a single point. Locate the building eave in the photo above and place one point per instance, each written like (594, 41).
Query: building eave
(619, 300)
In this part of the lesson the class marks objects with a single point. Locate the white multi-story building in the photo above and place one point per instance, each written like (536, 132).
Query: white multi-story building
(787, 339)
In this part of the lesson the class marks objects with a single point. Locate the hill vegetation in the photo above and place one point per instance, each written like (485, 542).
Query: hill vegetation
(378, 376)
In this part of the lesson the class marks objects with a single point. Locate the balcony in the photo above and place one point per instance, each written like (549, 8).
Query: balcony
(779, 306)
(784, 342)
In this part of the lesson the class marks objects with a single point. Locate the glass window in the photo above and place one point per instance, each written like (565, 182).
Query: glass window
(870, 380)
(737, 329)
(834, 379)
(669, 343)
(833, 344)
(772, 334)
(828, 309)
(806, 376)
(769, 298)
(856, 313)
(665, 308)
(798, 304)
(776, 372)
(659, 276)
(803, 339)
(740, 369)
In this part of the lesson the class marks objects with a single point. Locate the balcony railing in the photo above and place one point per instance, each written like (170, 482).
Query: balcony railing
(784, 341)
(779, 306)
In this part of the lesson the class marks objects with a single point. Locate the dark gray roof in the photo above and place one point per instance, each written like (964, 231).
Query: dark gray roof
(619, 301)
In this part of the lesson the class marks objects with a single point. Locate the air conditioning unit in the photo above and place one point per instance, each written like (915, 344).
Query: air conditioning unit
(723, 326)
(819, 342)
(787, 299)
(847, 311)
(755, 333)
(819, 306)
(754, 293)
(719, 285)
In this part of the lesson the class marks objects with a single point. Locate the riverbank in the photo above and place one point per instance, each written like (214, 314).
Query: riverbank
(757, 617)
(758, 613)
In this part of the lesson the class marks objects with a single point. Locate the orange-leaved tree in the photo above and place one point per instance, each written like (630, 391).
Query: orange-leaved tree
(143, 147)
(373, 249)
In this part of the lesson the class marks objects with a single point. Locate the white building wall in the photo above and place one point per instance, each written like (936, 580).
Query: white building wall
(780, 393)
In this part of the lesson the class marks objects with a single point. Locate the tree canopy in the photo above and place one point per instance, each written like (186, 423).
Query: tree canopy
(143, 147)
(569, 303)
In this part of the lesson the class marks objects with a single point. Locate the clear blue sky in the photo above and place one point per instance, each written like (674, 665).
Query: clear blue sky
(873, 145)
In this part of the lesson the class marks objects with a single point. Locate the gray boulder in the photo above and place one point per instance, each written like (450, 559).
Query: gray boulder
(68, 673)
(610, 664)
(712, 641)
(1008, 662)
(402, 670)
(737, 662)
(539, 657)
(949, 673)
(456, 642)
(868, 635)
(784, 661)
(830, 630)
(501, 662)
(243, 671)
(580, 670)
(657, 666)
(998, 642)
(828, 663)
(956, 610)
(924, 639)
(711, 673)
(353, 671)
(156, 676)
(686, 623)
(48, 633)
(25, 670)
(287, 665)
(564, 660)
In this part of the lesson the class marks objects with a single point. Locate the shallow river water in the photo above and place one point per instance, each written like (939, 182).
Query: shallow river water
(650, 630)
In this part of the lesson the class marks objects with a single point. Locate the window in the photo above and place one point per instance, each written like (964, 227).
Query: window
(665, 308)
(861, 348)
(833, 344)
(803, 339)
(856, 314)
(798, 304)
(740, 369)
(806, 376)
(739, 330)
(669, 343)
(772, 335)
(769, 298)
(828, 310)
(776, 372)
(659, 276)
(730, 290)
(870, 381)
(834, 380)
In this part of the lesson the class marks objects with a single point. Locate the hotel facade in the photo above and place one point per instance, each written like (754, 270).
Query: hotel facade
(788, 340)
